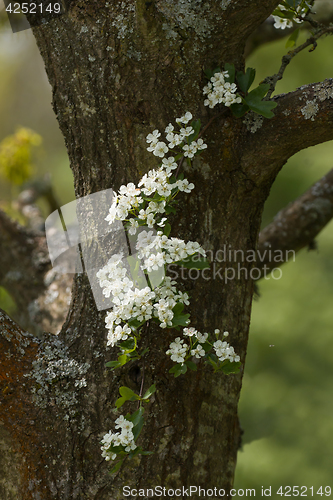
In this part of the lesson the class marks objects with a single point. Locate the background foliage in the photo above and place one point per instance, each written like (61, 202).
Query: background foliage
(286, 407)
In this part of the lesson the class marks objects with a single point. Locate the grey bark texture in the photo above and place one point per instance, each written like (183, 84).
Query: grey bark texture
(118, 70)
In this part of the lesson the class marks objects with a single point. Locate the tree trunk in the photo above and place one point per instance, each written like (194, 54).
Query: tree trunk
(119, 70)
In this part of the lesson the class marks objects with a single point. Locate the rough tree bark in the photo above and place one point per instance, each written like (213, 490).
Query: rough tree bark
(119, 70)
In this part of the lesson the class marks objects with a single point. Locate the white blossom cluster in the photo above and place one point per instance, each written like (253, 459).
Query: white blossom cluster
(189, 149)
(133, 303)
(282, 23)
(219, 91)
(129, 204)
(224, 351)
(179, 350)
(124, 438)
(132, 204)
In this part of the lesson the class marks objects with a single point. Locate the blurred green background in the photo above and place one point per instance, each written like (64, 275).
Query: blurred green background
(286, 407)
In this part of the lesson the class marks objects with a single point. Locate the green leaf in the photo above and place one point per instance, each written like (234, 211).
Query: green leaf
(206, 347)
(127, 395)
(116, 467)
(136, 416)
(167, 229)
(229, 367)
(134, 323)
(292, 39)
(182, 320)
(195, 261)
(238, 109)
(120, 402)
(178, 308)
(178, 370)
(170, 210)
(264, 108)
(257, 94)
(146, 453)
(196, 125)
(138, 427)
(129, 345)
(284, 15)
(191, 365)
(113, 364)
(211, 72)
(214, 365)
(123, 359)
(179, 319)
(149, 392)
(255, 103)
(231, 71)
(293, 3)
(245, 80)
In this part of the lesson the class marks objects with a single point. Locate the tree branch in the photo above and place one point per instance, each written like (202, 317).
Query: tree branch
(297, 225)
(267, 33)
(41, 294)
(24, 262)
(303, 118)
(311, 41)
(17, 352)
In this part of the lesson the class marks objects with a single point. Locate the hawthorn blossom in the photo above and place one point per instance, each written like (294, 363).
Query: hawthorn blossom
(281, 23)
(178, 350)
(219, 91)
(185, 119)
(123, 438)
(224, 351)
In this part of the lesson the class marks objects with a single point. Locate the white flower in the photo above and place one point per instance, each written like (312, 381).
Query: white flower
(134, 224)
(184, 185)
(160, 149)
(150, 220)
(112, 211)
(189, 332)
(169, 128)
(162, 222)
(178, 350)
(169, 164)
(224, 351)
(186, 132)
(281, 23)
(124, 437)
(185, 119)
(183, 298)
(202, 337)
(201, 144)
(153, 138)
(120, 333)
(198, 352)
(129, 190)
(220, 91)
(154, 262)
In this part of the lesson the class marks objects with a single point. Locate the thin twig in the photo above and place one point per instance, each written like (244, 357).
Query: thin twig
(143, 379)
(179, 166)
(272, 80)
